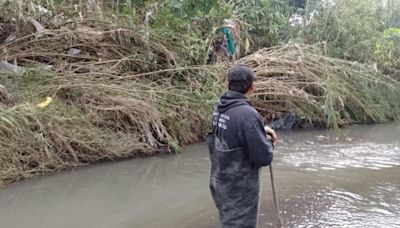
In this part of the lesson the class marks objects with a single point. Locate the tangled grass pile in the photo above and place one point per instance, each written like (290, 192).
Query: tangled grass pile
(112, 92)
(329, 92)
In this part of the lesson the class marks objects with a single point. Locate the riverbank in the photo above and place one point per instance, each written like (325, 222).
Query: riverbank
(90, 91)
(97, 89)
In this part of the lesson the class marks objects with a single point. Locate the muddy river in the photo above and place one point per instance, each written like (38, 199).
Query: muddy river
(323, 179)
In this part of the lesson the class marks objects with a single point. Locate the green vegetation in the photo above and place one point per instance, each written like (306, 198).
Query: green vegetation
(87, 81)
(387, 51)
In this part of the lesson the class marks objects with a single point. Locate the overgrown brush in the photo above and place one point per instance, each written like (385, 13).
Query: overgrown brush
(328, 91)
(88, 122)
(115, 92)
(61, 136)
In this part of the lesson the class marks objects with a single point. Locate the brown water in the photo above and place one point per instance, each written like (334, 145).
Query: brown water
(323, 180)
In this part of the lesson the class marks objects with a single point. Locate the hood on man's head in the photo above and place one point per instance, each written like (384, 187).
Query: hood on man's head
(231, 99)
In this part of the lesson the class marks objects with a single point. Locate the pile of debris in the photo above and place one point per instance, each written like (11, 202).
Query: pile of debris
(299, 80)
(92, 90)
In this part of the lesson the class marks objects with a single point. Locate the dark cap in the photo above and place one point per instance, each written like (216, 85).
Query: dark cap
(240, 77)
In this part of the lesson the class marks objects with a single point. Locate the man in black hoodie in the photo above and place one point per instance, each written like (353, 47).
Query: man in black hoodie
(238, 149)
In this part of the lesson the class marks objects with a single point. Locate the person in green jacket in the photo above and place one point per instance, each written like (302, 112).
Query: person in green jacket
(224, 44)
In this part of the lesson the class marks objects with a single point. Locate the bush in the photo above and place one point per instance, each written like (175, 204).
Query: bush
(349, 27)
(388, 51)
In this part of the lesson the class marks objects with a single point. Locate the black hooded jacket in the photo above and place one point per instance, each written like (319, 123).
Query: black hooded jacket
(237, 124)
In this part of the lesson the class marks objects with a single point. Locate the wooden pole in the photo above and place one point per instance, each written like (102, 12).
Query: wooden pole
(280, 223)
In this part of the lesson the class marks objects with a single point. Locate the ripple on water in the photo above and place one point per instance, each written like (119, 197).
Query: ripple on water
(379, 206)
(337, 156)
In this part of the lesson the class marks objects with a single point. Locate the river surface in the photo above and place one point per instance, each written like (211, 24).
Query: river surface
(323, 179)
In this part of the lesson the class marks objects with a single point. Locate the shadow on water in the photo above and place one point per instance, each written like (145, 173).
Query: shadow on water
(324, 179)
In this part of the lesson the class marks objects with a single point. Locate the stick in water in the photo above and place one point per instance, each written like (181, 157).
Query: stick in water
(275, 197)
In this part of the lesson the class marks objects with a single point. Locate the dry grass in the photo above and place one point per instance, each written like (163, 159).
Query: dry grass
(128, 92)
(328, 91)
